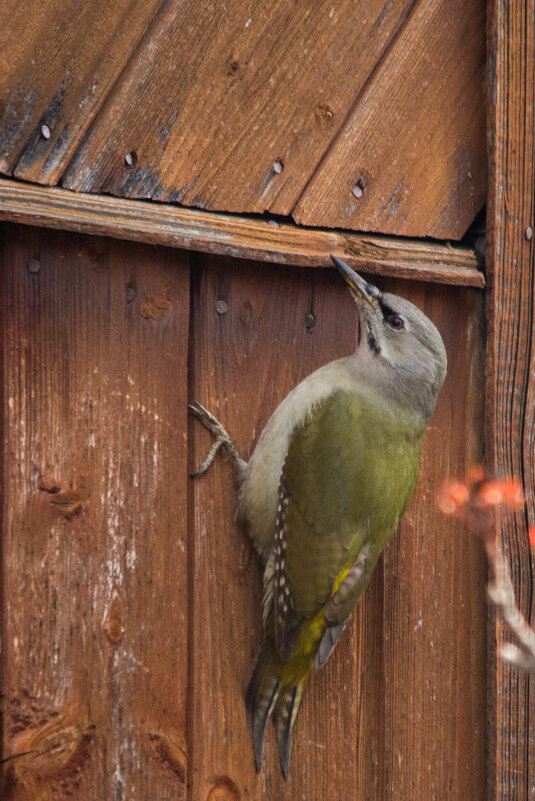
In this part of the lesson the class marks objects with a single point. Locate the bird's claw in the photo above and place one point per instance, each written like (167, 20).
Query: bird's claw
(216, 429)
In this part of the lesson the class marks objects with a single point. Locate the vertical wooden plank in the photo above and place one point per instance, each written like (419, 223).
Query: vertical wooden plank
(433, 599)
(95, 517)
(398, 711)
(279, 326)
(511, 363)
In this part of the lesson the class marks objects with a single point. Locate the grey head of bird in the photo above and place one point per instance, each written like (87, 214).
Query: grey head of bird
(403, 350)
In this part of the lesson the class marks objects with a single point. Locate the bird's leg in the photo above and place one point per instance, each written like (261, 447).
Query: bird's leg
(221, 438)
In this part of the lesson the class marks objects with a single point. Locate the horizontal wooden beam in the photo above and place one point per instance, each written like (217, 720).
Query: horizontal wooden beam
(241, 237)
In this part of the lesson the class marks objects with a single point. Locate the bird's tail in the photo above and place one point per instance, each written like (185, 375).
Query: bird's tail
(284, 716)
(269, 694)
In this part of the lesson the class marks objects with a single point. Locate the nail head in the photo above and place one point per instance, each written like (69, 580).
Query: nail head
(130, 159)
(221, 307)
(34, 266)
(278, 166)
(528, 233)
(357, 191)
(46, 133)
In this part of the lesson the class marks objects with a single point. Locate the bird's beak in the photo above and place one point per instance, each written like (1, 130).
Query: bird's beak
(358, 286)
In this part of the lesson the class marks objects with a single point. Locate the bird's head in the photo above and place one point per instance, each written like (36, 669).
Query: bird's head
(404, 344)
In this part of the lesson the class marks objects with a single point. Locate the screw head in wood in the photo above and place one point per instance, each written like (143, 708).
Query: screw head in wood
(130, 159)
(221, 307)
(310, 322)
(359, 187)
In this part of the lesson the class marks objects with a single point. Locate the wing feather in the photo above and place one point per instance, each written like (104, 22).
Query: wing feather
(348, 475)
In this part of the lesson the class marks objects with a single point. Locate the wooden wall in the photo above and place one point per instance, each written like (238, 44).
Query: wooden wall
(510, 398)
(366, 115)
(131, 604)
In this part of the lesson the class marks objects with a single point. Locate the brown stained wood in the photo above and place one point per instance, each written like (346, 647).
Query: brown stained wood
(511, 366)
(224, 92)
(433, 595)
(241, 237)
(399, 710)
(94, 537)
(244, 363)
(413, 147)
(58, 61)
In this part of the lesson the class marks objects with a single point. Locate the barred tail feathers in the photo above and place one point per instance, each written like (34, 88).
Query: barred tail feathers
(284, 715)
(268, 695)
(261, 697)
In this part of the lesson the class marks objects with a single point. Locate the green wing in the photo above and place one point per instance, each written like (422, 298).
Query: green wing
(348, 476)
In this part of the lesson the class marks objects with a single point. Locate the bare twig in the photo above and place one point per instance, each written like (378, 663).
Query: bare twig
(502, 595)
(474, 502)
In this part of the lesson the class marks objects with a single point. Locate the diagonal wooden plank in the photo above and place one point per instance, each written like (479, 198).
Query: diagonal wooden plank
(411, 158)
(511, 369)
(58, 61)
(232, 105)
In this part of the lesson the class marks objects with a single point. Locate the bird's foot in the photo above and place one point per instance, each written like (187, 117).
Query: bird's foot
(221, 437)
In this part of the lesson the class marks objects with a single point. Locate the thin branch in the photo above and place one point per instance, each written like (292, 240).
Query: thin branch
(502, 595)
(474, 502)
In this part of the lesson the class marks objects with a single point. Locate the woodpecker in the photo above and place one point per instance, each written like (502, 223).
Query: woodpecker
(325, 488)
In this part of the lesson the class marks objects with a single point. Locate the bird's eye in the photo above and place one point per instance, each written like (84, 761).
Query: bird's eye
(396, 322)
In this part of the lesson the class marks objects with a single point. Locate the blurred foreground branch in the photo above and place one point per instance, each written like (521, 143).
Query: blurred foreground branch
(474, 502)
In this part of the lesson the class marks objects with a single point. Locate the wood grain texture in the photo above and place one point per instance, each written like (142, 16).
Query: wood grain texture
(511, 366)
(223, 91)
(399, 710)
(58, 61)
(434, 601)
(244, 363)
(277, 106)
(241, 237)
(94, 532)
(414, 142)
